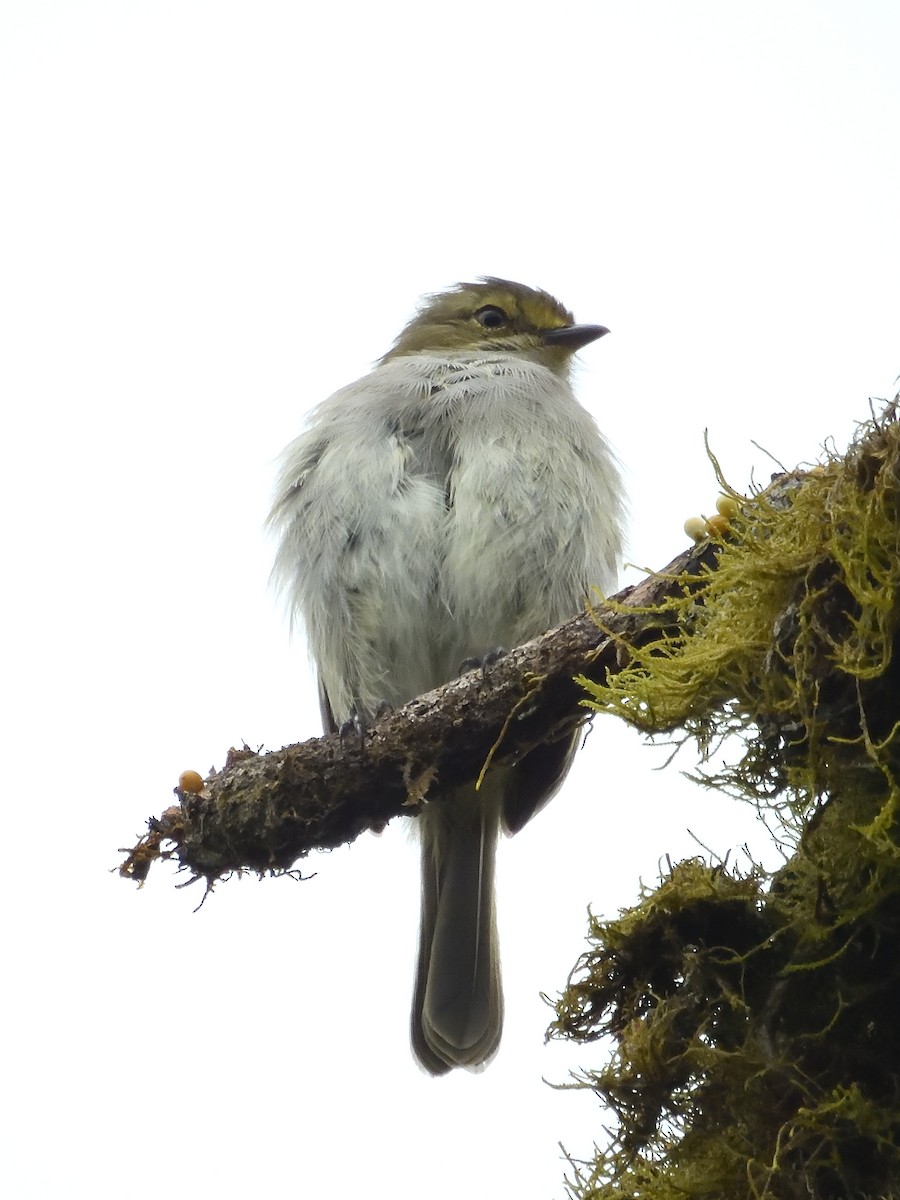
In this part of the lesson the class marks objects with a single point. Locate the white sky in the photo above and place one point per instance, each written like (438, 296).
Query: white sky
(214, 214)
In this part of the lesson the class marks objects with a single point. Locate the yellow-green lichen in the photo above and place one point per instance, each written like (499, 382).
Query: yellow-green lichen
(790, 640)
(753, 1018)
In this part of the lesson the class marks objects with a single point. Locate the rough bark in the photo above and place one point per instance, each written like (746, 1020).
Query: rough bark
(264, 812)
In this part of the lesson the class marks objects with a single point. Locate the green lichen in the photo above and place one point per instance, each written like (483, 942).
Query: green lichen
(754, 1018)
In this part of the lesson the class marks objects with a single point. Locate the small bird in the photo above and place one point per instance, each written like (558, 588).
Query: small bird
(455, 500)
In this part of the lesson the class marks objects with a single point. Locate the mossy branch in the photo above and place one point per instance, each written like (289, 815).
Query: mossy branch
(264, 812)
(706, 629)
(752, 1016)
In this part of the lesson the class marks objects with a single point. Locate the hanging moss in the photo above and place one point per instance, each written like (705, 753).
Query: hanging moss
(754, 1019)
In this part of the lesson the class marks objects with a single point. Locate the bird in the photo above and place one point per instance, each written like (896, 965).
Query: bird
(455, 501)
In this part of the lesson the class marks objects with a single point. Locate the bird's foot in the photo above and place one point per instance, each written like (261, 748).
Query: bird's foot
(353, 727)
(492, 657)
(356, 724)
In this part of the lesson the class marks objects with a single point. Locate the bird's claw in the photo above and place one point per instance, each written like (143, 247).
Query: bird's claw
(356, 725)
(492, 657)
(353, 727)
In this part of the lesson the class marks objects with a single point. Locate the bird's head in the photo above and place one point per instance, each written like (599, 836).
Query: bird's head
(499, 317)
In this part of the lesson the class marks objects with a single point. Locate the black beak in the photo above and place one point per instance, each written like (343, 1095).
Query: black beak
(573, 337)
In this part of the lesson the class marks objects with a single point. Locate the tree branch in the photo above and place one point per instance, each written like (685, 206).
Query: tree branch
(263, 812)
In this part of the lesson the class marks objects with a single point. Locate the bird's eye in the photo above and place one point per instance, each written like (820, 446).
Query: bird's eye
(491, 317)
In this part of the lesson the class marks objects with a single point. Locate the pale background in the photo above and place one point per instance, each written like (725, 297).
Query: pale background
(214, 214)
